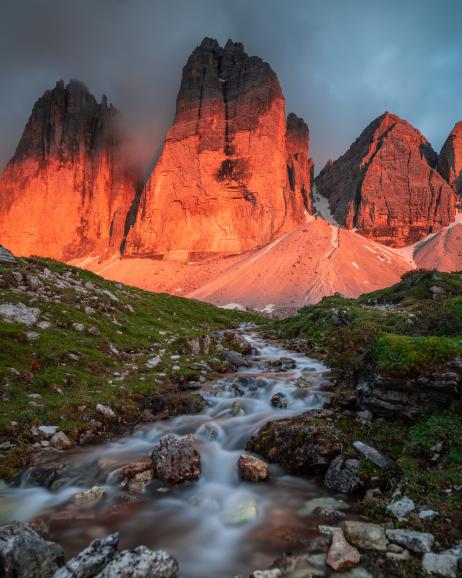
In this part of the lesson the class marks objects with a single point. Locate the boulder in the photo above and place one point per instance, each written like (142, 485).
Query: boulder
(175, 460)
(252, 469)
(304, 444)
(6, 256)
(91, 560)
(25, 554)
(141, 563)
(419, 542)
(372, 454)
(341, 555)
(342, 475)
(440, 564)
(20, 313)
(365, 536)
(235, 359)
(279, 400)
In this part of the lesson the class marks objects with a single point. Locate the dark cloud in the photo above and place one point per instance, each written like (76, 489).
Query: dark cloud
(341, 63)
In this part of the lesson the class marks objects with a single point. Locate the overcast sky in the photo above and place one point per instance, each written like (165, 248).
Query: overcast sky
(341, 63)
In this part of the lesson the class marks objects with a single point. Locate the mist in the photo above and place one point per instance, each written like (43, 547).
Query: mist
(340, 63)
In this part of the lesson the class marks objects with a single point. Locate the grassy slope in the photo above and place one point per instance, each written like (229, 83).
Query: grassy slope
(71, 369)
(401, 330)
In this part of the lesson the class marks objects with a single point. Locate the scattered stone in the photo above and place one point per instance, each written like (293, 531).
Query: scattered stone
(428, 514)
(79, 327)
(273, 573)
(47, 431)
(94, 330)
(342, 475)
(175, 460)
(330, 516)
(252, 469)
(19, 313)
(141, 563)
(91, 560)
(365, 536)
(111, 295)
(89, 497)
(419, 542)
(283, 363)
(279, 400)
(440, 564)
(153, 362)
(60, 441)
(105, 410)
(402, 507)
(323, 503)
(209, 430)
(235, 359)
(33, 282)
(25, 554)
(372, 454)
(341, 554)
(137, 476)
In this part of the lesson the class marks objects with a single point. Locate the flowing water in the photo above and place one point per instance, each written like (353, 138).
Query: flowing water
(196, 522)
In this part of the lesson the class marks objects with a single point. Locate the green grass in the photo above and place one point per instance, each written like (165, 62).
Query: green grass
(71, 369)
(402, 330)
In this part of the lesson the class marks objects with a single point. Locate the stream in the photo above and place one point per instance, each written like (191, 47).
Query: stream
(196, 521)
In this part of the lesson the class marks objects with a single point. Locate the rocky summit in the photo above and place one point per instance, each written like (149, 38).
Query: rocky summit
(386, 185)
(450, 159)
(66, 191)
(234, 174)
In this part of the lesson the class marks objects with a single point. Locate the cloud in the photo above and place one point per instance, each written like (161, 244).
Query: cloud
(341, 63)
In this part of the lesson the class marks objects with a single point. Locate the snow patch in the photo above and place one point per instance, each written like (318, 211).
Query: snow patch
(321, 206)
(233, 307)
(355, 264)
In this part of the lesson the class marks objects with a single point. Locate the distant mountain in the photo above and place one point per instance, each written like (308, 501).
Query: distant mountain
(386, 185)
(234, 174)
(66, 191)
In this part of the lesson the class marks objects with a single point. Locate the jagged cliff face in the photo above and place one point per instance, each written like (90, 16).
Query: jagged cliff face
(66, 191)
(450, 159)
(386, 185)
(233, 175)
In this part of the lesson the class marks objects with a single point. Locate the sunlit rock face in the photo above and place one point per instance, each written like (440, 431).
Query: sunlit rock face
(66, 191)
(233, 175)
(450, 160)
(386, 184)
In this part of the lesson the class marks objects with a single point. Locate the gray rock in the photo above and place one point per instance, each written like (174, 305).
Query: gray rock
(47, 431)
(342, 475)
(235, 359)
(19, 313)
(366, 536)
(141, 563)
(372, 454)
(60, 441)
(33, 282)
(104, 410)
(279, 400)
(25, 554)
(428, 514)
(91, 560)
(440, 564)
(402, 507)
(419, 542)
(175, 460)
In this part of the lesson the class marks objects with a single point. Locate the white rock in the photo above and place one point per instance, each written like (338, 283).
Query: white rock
(440, 564)
(19, 313)
(419, 542)
(111, 296)
(47, 431)
(428, 514)
(79, 327)
(104, 410)
(61, 441)
(153, 362)
(371, 454)
(43, 325)
(402, 507)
